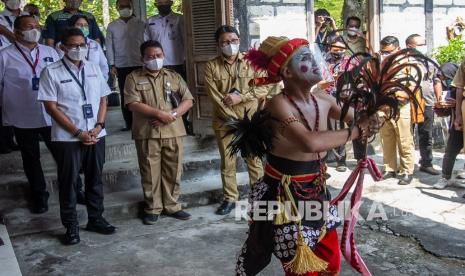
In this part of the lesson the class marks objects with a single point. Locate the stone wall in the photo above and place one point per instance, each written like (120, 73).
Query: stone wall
(426, 17)
(261, 18)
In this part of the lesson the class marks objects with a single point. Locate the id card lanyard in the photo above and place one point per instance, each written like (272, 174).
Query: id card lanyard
(35, 79)
(86, 108)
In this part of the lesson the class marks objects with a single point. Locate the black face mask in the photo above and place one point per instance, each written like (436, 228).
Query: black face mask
(337, 56)
(164, 9)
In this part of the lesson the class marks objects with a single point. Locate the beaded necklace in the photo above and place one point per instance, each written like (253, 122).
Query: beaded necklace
(307, 124)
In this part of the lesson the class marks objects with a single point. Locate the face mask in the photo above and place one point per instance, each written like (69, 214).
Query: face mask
(353, 31)
(13, 4)
(31, 36)
(230, 50)
(448, 83)
(304, 65)
(77, 53)
(154, 64)
(422, 49)
(73, 4)
(125, 13)
(85, 31)
(337, 55)
(164, 9)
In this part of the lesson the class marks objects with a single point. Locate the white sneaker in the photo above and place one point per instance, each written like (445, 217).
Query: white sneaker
(442, 183)
(459, 183)
(461, 175)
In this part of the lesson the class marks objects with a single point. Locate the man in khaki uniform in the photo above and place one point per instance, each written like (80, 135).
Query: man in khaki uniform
(226, 82)
(158, 98)
(397, 135)
(459, 83)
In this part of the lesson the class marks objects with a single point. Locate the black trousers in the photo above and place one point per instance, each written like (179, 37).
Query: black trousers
(453, 148)
(28, 142)
(425, 138)
(123, 72)
(6, 134)
(69, 157)
(357, 145)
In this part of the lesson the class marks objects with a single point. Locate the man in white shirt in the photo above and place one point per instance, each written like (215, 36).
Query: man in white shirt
(74, 94)
(20, 66)
(7, 18)
(124, 37)
(168, 28)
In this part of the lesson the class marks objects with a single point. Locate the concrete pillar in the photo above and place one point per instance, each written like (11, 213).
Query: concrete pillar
(140, 8)
(429, 26)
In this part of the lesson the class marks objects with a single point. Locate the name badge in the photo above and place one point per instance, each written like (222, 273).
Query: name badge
(87, 111)
(66, 81)
(48, 59)
(35, 83)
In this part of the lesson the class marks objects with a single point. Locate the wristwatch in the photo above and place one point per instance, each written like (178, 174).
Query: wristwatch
(102, 125)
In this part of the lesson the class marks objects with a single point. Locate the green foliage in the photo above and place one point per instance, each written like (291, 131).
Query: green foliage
(453, 52)
(93, 6)
(334, 8)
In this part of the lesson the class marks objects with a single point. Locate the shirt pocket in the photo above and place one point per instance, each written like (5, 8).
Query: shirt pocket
(146, 93)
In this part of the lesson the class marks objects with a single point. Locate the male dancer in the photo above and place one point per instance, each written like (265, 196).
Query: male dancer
(295, 168)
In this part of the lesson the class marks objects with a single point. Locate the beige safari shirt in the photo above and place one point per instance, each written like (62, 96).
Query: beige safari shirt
(459, 78)
(144, 87)
(219, 80)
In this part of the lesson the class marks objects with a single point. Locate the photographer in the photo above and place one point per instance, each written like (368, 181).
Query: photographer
(325, 27)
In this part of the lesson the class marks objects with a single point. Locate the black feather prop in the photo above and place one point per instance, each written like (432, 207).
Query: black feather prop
(252, 136)
(372, 84)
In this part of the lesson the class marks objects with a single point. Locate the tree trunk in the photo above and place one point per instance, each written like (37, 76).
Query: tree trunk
(105, 13)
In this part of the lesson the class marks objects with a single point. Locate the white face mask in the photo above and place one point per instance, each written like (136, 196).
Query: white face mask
(422, 49)
(77, 53)
(13, 4)
(154, 64)
(230, 50)
(31, 36)
(125, 13)
(353, 31)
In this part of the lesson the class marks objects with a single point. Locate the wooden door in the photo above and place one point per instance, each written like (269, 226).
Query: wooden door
(202, 18)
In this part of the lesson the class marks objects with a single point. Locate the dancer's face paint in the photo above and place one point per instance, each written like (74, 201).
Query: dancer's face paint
(305, 67)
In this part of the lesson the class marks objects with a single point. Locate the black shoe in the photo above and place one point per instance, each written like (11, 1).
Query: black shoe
(429, 170)
(5, 150)
(100, 226)
(150, 219)
(225, 208)
(180, 215)
(81, 197)
(39, 205)
(125, 129)
(405, 179)
(72, 236)
(13, 146)
(387, 175)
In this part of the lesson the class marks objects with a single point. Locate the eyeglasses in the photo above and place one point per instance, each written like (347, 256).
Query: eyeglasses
(76, 46)
(228, 42)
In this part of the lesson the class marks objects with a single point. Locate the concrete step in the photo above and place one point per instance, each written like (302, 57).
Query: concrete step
(195, 192)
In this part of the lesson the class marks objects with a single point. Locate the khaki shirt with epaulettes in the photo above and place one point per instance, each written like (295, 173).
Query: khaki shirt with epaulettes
(219, 80)
(147, 88)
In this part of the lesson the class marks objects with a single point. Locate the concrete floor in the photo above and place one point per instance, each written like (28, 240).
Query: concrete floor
(206, 245)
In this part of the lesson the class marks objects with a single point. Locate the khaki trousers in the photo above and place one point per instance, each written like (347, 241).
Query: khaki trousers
(160, 164)
(228, 168)
(397, 135)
